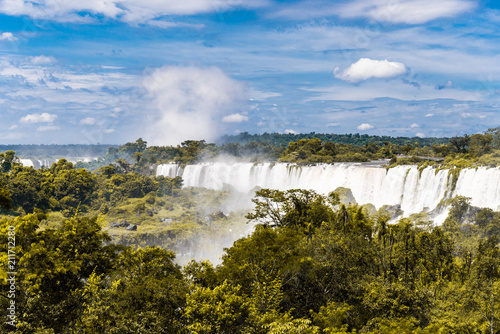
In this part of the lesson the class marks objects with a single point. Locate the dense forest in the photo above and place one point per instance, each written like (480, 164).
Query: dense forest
(106, 249)
(356, 139)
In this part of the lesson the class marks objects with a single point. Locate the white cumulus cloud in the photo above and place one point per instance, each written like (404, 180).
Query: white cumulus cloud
(7, 36)
(39, 118)
(87, 121)
(420, 134)
(429, 115)
(367, 68)
(235, 118)
(42, 60)
(365, 126)
(290, 131)
(414, 125)
(188, 102)
(405, 11)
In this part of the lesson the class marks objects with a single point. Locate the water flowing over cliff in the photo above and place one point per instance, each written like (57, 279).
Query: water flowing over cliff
(38, 163)
(415, 190)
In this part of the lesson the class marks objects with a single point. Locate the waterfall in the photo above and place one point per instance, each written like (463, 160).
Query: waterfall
(38, 163)
(482, 185)
(415, 190)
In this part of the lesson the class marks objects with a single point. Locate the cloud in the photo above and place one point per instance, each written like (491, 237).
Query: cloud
(420, 134)
(414, 125)
(39, 118)
(168, 24)
(261, 96)
(87, 121)
(131, 11)
(7, 36)
(365, 126)
(187, 103)
(291, 131)
(394, 89)
(429, 115)
(405, 11)
(13, 127)
(366, 68)
(48, 128)
(235, 118)
(449, 84)
(42, 60)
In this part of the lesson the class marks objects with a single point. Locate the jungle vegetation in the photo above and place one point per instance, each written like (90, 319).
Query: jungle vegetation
(101, 251)
(313, 264)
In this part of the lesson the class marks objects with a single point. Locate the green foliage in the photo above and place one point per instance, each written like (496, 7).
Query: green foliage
(282, 140)
(7, 161)
(220, 310)
(5, 198)
(52, 266)
(333, 318)
(296, 207)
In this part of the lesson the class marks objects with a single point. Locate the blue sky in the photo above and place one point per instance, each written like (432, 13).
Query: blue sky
(116, 70)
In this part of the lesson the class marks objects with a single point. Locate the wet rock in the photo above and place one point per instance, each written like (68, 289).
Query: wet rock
(123, 223)
(393, 211)
(345, 195)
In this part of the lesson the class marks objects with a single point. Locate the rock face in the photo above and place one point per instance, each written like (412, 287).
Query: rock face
(132, 227)
(123, 223)
(394, 211)
(166, 220)
(345, 195)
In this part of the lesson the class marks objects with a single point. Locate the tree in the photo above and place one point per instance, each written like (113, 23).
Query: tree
(382, 236)
(296, 207)
(53, 266)
(7, 160)
(461, 144)
(218, 311)
(481, 143)
(5, 198)
(485, 283)
(264, 255)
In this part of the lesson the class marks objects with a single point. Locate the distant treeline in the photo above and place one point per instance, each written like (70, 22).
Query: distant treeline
(67, 151)
(462, 151)
(279, 139)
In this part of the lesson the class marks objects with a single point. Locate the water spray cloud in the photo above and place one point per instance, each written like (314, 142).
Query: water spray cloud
(189, 103)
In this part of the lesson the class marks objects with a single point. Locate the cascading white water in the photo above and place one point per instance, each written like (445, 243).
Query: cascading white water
(414, 190)
(482, 185)
(37, 163)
